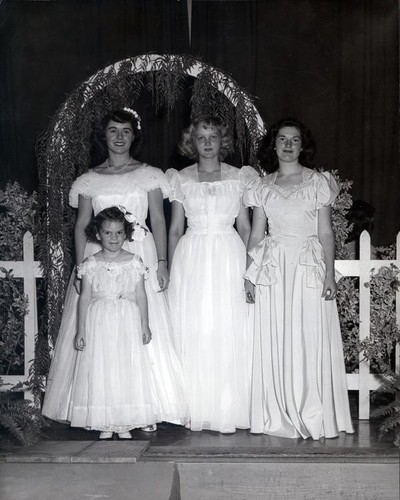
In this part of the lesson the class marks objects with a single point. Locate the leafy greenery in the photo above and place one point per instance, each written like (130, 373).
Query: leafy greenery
(17, 215)
(13, 308)
(19, 418)
(384, 332)
(389, 412)
(18, 211)
(340, 225)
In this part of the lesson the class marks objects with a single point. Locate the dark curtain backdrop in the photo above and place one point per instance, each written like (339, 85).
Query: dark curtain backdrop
(332, 64)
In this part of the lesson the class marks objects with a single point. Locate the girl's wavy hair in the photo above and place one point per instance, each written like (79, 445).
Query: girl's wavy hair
(187, 145)
(111, 214)
(266, 153)
(119, 116)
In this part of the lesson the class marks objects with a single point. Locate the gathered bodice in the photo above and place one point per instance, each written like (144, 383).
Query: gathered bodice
(113, 280)
(135, 202)
(129, 190)
(293, 213)
(292, 225)
(210, 207)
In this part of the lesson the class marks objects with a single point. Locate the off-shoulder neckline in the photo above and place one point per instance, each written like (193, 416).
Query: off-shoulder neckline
(143, 165)
(133, 260)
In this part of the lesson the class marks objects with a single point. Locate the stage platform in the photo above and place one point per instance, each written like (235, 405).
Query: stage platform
(176, 464)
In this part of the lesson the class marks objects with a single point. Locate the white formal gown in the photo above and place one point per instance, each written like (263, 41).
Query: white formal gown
(207, 299)
(131, 191)
(299, 381)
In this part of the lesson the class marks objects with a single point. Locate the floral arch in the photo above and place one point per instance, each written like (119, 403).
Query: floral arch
(63, 150)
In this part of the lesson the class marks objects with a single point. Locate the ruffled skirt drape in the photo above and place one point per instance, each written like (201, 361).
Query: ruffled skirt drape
(299, 382)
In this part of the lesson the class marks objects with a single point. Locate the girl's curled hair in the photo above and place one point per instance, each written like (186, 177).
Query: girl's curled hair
(123, 115)
(266, 153)
(187, 145)
(111, 214)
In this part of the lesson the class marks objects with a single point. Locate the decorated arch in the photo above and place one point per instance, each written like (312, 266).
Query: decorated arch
(64, 149)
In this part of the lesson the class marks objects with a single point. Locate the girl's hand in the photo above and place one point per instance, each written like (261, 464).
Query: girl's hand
(162, 275)
(77, 285)
(147, 336)
(250, 291)
(77, 281)
(329, 289)
(80, 341)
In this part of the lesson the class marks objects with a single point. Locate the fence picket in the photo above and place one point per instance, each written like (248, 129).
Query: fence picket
(29, 270)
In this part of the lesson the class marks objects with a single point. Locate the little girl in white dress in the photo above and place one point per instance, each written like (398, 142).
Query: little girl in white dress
(112, 388)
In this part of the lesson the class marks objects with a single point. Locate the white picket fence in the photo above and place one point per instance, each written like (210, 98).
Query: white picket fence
(28, 269)
(363, 382)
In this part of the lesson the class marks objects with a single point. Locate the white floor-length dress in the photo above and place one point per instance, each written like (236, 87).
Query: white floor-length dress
(112, 388)
(207, 299)
(131, 191)
(299, 381)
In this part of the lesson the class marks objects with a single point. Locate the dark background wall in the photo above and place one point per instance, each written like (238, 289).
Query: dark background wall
(331, 63)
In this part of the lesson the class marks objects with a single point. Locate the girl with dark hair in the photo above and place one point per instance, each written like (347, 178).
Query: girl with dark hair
(123, 180)
(206, 292)
(112, 388)
(299, 381)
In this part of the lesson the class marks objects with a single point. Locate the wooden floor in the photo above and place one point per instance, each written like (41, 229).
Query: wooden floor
(174, 463)
(172, 442)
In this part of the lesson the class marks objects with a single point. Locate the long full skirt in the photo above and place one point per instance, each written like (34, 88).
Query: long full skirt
(210, 315)
(112, 388)
(299, 382)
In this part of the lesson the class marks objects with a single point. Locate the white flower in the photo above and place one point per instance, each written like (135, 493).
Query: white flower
(134, 114)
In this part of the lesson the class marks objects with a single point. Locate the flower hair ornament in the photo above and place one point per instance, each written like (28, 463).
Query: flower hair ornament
(138, 231)
(134, 114)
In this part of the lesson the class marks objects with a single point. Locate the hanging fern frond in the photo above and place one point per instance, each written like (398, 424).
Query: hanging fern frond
(389, 412)
(19, 418)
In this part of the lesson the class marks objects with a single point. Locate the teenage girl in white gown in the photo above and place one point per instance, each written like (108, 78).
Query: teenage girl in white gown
(207, 298)
(140, 188)
(299, 382)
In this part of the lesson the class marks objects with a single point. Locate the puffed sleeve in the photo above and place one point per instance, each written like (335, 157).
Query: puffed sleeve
(327, 189)
(252, 193)
(80, 186)
(86, 268)
(138, 264)
(174, 179)
(246, 175)
(156, 179)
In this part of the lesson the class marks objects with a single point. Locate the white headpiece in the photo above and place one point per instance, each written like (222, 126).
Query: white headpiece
(135, 114)
(138, 231)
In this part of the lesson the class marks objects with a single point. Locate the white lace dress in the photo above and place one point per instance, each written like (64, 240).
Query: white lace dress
(112, 388)
(130, 190)
(299, 381)
(207, 299)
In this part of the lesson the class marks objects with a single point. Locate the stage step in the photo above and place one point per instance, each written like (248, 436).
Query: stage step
(134, 470)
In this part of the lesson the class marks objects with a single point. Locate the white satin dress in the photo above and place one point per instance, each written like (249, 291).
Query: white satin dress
(207, 299)
(131, 191)
(299, 382)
